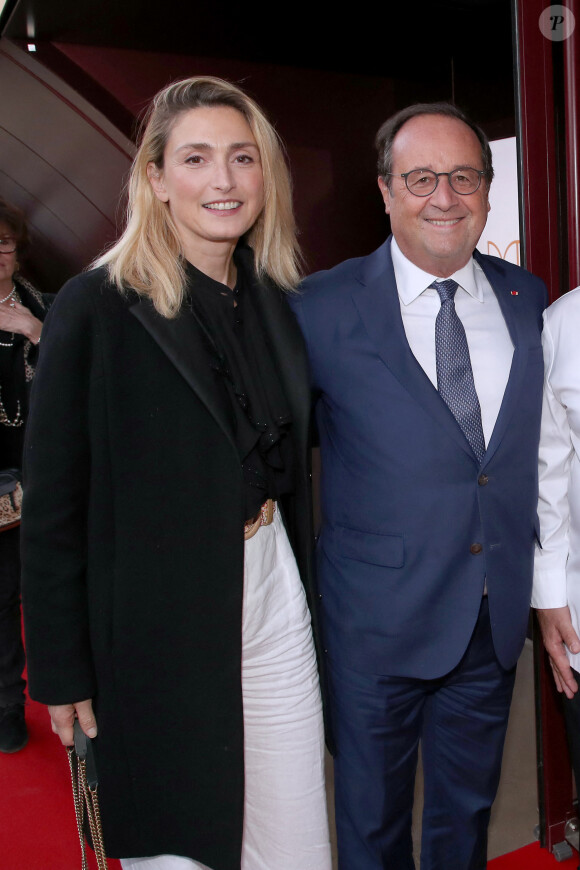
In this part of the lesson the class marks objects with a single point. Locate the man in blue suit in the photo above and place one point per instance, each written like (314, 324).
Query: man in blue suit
(427, 373)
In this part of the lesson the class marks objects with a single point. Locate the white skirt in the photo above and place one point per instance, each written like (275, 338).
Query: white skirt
(285, 820)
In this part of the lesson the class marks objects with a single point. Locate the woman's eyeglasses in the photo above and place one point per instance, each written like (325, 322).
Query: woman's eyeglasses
(7, 245)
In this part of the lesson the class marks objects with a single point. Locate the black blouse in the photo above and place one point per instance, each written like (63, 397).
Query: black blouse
(17, 362)
(238, 352)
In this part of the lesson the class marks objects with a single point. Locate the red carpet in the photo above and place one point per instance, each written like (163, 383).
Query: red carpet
(531, 858)
(37, 821)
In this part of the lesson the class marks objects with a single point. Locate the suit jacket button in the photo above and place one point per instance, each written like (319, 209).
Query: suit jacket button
(483, 479)
(476, 548)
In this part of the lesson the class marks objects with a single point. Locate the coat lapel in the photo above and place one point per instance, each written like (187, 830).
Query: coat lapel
(378, 305)
(286, 344)
(180, 341)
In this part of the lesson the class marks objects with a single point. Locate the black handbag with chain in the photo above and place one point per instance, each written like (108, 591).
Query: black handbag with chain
(85, 793)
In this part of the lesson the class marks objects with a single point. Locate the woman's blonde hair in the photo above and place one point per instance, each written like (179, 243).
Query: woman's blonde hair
(148, 257)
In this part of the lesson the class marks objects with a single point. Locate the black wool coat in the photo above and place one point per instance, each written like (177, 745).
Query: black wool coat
(133, 557)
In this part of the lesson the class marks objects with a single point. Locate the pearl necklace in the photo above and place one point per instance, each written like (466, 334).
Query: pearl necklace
(12, 292)
(4, 418)
(6, 298)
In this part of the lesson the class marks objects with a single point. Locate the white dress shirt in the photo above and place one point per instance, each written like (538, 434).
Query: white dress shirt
(557, 564)
(490, 345)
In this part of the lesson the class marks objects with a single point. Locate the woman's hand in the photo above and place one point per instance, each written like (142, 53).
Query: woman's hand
(64, 715)
(17, 318)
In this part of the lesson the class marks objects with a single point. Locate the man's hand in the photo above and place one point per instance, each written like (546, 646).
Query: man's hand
(557, 634)
(63, 717)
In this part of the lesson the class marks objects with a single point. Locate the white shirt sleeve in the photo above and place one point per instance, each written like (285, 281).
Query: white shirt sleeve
(556, 452)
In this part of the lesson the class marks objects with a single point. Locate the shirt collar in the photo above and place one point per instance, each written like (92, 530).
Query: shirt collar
(412, 281)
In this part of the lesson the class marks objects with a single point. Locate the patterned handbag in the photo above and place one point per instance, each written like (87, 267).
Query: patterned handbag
(10, 498)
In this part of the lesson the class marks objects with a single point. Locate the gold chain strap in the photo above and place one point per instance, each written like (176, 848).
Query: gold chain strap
(86, 800)
(78, 801)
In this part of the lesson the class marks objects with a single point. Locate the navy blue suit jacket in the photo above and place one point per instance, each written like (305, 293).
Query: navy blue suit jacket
(403, 497)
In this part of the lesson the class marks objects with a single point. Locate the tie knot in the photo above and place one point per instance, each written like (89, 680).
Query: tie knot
(446, 289)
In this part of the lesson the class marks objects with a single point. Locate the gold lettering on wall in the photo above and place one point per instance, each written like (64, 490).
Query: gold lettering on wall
(514, 257)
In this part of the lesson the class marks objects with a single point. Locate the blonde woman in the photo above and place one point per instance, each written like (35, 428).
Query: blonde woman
(166, 467)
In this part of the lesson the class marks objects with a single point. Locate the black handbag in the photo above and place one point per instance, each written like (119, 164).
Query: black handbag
(85, 793)
(10, 498)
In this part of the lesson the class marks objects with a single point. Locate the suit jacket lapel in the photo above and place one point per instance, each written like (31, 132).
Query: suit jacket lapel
(179, 340)
(497, 280)
(378, 305)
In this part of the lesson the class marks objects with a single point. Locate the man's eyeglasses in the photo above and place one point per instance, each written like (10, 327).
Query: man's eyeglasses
(7, 245)
(423, 182)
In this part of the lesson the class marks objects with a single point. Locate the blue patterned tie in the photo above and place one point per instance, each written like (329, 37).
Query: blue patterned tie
(454, 374)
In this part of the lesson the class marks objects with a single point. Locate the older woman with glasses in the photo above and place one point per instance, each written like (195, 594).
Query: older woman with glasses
(167, 532)
(22, 311)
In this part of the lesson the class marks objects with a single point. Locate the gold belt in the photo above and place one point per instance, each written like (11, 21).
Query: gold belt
(263, 518)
